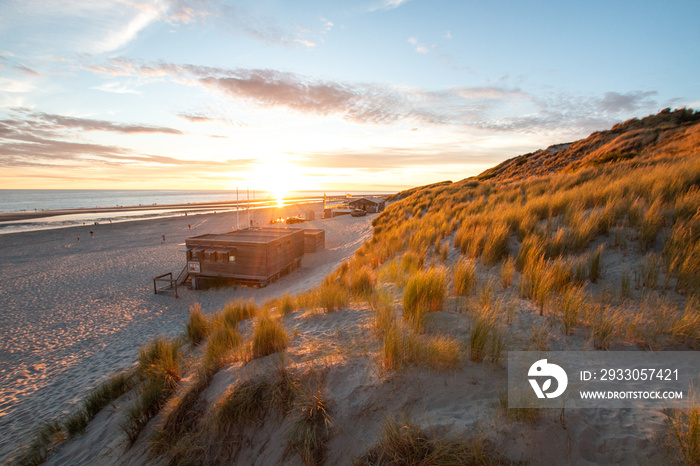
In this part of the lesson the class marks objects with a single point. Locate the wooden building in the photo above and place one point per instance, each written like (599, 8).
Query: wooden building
(253, 255)
(314, 240)
(369, 204)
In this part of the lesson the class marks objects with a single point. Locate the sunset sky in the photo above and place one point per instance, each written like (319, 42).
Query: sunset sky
(328, 95)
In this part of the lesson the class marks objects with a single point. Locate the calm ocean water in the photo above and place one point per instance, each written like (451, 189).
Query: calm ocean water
(12, 200)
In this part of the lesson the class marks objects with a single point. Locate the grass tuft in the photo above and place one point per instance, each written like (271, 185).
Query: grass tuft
(464, 278)
(403, 442)
(269, 336)
(244, 403)
(311, 427)
(424, 293)
(197, 326)
(684, 433)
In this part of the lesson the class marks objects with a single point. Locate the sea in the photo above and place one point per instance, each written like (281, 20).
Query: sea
(43, 200)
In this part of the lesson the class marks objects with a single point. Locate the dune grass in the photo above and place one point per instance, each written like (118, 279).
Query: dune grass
(332, 295)
(269, 336)
(197, 326)
(181, 415)
(362, 282)
(403, 441)
(683, 429)
(243, 403)
(311, 427)
(47, 436)
(402, 348)
(159, 370)
(424, 293)
(464, 277)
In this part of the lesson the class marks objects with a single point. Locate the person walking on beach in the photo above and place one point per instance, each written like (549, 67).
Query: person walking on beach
(78, 239)
(164, 237)
(92, 235)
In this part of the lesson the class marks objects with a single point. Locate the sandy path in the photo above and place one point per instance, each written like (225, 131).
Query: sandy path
(73, 312)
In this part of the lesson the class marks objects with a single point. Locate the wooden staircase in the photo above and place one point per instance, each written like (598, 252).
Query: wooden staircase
(168, 284)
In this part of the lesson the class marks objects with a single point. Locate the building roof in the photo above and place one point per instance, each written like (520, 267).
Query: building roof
(375, 200)
(248, 235)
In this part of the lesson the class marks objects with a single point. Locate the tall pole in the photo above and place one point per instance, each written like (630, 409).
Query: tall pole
(248, 202)
(238, 226)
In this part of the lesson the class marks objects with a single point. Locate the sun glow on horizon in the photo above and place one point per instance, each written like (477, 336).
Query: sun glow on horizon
(278, 177)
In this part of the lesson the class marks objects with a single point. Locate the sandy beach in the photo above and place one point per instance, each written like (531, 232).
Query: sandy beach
(73, 312)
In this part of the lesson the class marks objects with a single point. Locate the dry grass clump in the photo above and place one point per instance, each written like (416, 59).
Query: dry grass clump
(487, 338)
(506, 272)
(269, 336)
(197, 326)
(425, 292)
(605, 323)
(496, 244)
(479, 237)
(243, 403)
(362, 283)
(311, 427)
(572, 305)
(159, 370)
(403, 348)
(403, 442)
(651, 224)
(238, 310)
(385, 314)
(464, 277)
(684, 433)
(658, 323)
(333, 295)
(682, 253)
(286, 304)
(46, 438)
(182, 414)
(222, 339)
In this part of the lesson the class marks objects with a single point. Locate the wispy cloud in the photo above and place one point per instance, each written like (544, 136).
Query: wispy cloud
(387, 5)
(418, 47)
(116, 88)
(493, 108)
(35, 139)
(27, 71)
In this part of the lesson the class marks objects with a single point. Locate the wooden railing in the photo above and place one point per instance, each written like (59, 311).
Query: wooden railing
(171, 284)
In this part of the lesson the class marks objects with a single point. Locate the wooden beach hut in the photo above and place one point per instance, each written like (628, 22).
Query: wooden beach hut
(368, 204)
(314, 240)
(254, 255)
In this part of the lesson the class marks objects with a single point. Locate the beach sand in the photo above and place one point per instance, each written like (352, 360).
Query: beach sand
(73, 312)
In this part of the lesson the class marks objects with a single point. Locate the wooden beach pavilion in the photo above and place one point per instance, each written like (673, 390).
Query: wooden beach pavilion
(255, 256)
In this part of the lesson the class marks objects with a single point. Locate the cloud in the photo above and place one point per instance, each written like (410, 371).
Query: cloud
(631, 101)
(59, 122)
(40, 138)
(15, 86)
(44, 140)
(418, 47)
(116, 88)
(122, 34)
(28, 71)
(387, 5)
(492, 108)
